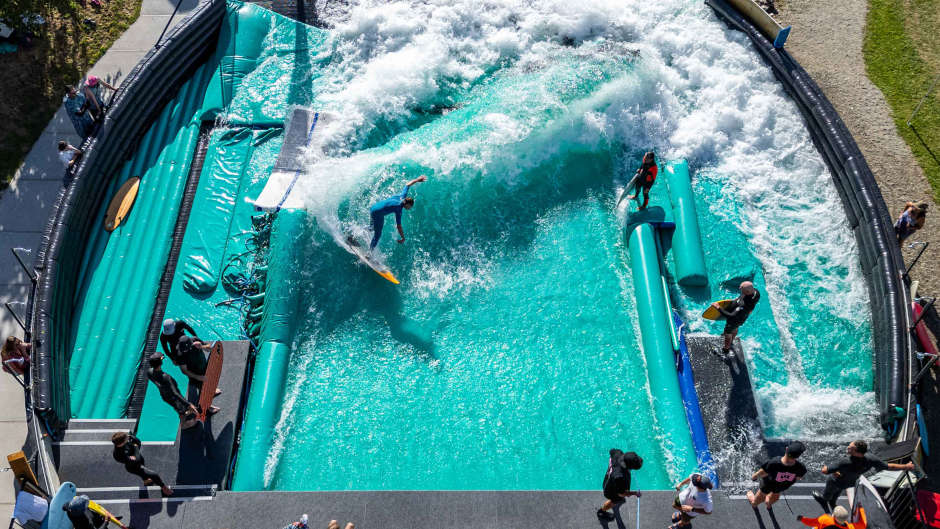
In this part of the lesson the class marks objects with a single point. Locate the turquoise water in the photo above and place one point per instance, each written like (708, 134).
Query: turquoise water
(508, 358)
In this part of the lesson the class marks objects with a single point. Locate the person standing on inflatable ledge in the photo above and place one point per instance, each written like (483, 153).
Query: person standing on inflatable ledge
(737, 313)
(392, 205)
(644, 179)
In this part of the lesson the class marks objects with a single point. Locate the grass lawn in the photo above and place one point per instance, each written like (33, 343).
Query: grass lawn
(35, 78)
(902, 55)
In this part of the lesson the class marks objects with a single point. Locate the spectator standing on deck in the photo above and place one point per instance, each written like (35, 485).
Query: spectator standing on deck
(839, 519)
(69, 155)
(777, 475)
(93, 92)
(75, 106)
(127, 452)
(185, 349)
(300, 524)
(847, 471)
(617, 481)
(911, 219)
(692, 500)
(737, 313)
(15, 356)
(81, 516)
(170, 392)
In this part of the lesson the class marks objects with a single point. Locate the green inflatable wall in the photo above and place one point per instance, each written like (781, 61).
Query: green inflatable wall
(655, 332)
(687, 240)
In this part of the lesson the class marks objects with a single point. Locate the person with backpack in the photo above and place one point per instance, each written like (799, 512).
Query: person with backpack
(617, 481)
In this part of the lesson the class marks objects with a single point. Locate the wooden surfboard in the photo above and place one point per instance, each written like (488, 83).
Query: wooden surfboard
(121, 204)
(711, 313)
(211, 383)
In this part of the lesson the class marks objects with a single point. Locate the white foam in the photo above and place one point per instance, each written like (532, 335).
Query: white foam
(697, 90)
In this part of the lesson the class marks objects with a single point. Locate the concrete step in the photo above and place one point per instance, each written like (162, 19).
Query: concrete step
(91, 464)
(113, 425)
(80, 435)
(130, 493)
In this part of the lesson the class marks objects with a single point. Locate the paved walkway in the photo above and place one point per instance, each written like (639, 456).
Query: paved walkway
(827, 40)
(26, 205)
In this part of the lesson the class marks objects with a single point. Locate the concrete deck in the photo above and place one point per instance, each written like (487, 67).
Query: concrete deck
(26, 205)
(447, 510)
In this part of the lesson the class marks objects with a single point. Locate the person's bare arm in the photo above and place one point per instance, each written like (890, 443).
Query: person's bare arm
(906, 466)
(421, 178)
(190, 374)
(759, 474)
(106, 85)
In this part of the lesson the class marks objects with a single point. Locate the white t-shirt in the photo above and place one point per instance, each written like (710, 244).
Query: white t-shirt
(697, 499)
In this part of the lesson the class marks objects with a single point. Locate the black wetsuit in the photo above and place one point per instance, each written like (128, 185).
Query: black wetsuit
(123, 455)
(738, 311)
(170, 342)
(169, 390)
(849, 470)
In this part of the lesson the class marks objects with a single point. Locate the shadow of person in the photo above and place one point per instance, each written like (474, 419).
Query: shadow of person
(760, 519)
(773, 518)
(142, 512)
(388, 304)
(203, 457)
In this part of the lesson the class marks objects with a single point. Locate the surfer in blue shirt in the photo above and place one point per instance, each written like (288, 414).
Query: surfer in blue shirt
(392, 205)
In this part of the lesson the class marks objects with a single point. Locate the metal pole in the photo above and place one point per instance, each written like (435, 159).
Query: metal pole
(15, 317)
(920, 375)
(167, 26)
(33, 276)
(914, 262)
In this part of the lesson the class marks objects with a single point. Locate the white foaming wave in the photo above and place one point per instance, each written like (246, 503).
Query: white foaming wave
(467, 268)
(802, 410)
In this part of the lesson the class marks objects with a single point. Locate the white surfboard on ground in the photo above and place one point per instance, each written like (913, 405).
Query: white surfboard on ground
(301, 137)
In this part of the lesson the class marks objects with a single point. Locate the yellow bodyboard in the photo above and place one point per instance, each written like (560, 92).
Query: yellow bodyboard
(121, 204)
(711, 313)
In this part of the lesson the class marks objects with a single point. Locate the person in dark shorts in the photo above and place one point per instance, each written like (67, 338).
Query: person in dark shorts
(170, 392)
(617, 481)
(127, 452)
(847, 471)
(737, 313)
(777, 475)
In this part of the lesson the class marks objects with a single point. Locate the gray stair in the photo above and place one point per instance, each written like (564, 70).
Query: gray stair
(112, 495)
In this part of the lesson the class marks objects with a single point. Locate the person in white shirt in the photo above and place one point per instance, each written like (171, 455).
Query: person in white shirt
(69, 155)
(693, 500)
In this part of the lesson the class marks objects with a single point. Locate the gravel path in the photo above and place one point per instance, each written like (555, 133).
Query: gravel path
(827, 40)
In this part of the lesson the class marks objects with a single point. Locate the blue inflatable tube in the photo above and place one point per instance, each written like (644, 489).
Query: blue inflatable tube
(693, 412)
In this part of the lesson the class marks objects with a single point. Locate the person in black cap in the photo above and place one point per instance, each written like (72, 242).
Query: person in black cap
(777, 475)
(691, 501)
(617, 481)
(174, 331)
(170, 392)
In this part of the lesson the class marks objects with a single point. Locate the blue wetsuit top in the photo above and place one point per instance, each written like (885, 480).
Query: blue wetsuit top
(390, 205)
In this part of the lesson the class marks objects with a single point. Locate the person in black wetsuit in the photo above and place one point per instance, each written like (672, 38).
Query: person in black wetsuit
(127, 452)
(847, 471)
(617, 481)
(170, 391)
(777, 475)
(736, 314)
(173, 332)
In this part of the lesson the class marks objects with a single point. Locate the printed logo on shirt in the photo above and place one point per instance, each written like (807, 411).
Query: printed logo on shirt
(785, 476)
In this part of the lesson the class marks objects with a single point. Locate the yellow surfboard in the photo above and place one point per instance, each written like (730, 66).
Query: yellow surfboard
(711, 313)
(121, 204)
(354, 248)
